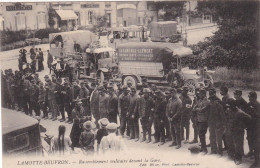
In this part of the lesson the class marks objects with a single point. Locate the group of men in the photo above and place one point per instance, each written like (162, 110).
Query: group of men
(168, 112)
(36, 55)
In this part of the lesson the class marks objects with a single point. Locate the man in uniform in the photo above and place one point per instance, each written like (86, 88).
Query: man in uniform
(216, 122)
(166, 121)
(159, 117)
(112, 105)
(173, 112)
(235, 130)
(186, 113)
(103, 102)
(123, 108)
(49, 60)
(78, 111)
(146, 110)
(94, 104)
(254, 111)
(84, 96)
(68, 97)
(52, 99)
(133, 115)
(194, 116)
(202, 109)
(42, 100)
(60, 99)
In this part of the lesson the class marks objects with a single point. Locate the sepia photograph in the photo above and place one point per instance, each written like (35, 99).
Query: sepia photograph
(130, 84)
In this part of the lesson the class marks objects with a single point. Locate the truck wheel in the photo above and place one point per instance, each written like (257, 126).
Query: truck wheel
(131, 79)
(191, 84)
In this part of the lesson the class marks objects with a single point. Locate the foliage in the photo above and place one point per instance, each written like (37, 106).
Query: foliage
(52, 14)
(173, 9)
(235, 42)
(9, 36)
(44, 33)
(100, 24)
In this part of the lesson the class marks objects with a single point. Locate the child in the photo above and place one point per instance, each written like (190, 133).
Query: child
(102, 131)
(87, 138)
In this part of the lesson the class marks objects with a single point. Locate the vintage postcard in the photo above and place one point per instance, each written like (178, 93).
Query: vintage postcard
(130, 84)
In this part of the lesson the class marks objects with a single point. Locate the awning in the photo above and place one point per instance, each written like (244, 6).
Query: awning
(67, 14)
(126, 6)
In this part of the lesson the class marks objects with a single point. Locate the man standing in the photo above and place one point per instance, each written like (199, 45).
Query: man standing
(173, 112)
(94, 104)
(254, 111)
(23, 53)
(216, 123)
(123, 108)
(112, 105)
(59, 95)
(132, 114)
(34, 94)
(42, 100)
(68, 97)
(159, 117)
(84, 96)
(194, 116)
(235, 130)
(40, 60)
(103, 102)
(186, 113)
(202, 109)
(49, 60)
(146, 110)
(52, 99)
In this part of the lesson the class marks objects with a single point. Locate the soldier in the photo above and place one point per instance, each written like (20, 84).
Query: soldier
(103, 102)
(40, 60)
(159, 117)
(42, 100)
(27, 70)
(112, 105)
(26, 85)
(254, 111)
(225, 96)
(34, 95)
(202, 108)
(133, 116)
(37, 79)
(23, 53)
(68, 96)
(78, 111)
(186, 113)
(146, 110)
(59, 95)
(33, 62)
(173, 112)
(123, 108)
(20, 62)
(235, 130)
(52, 99)
(194, 116)
(94, 104)
(84, 96)
(216, 122)
(49, 60)
(166, 121)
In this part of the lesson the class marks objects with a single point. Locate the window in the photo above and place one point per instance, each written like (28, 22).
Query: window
(20, 21)
(206, 17)
(90, 17)
(18, 142)
(41, 20)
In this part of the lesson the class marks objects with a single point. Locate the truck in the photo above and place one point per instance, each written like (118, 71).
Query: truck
(153, 61)
(165, 31)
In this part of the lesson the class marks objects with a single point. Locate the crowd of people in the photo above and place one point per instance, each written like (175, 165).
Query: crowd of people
(168, 112)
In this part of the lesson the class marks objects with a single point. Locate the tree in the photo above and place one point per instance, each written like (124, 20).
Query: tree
(52, 14)
(101, 23)
(235, 42)
(172, 9)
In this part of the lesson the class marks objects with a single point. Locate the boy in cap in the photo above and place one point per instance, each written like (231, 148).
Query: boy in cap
(254, 111)
(103, 122)
(87, 139)
(111, 143)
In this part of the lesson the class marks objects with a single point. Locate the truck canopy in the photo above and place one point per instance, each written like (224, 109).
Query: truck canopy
(100, 50)
(82, 37)
(159, 30)
(151, 52)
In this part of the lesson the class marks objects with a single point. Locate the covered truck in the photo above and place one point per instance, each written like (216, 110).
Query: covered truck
(165, 31)
(63, 42)
(152, 61)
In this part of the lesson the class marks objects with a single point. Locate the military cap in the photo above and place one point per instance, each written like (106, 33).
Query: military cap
(173, 90)
(238, 92)
(103, 122)
(124, 87)
(230, 102)
(101, 88)
(146, 90)
(111, 126)
(252, 94)
(224, 89)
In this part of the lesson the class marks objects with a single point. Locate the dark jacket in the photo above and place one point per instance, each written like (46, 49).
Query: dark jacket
(133, 105)
(216, 116)
(174, 108)
(123, 104)
(160, 109)
(145, 107)
(100, 134)
(202, 108)
(113, 105)
(186, 107)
